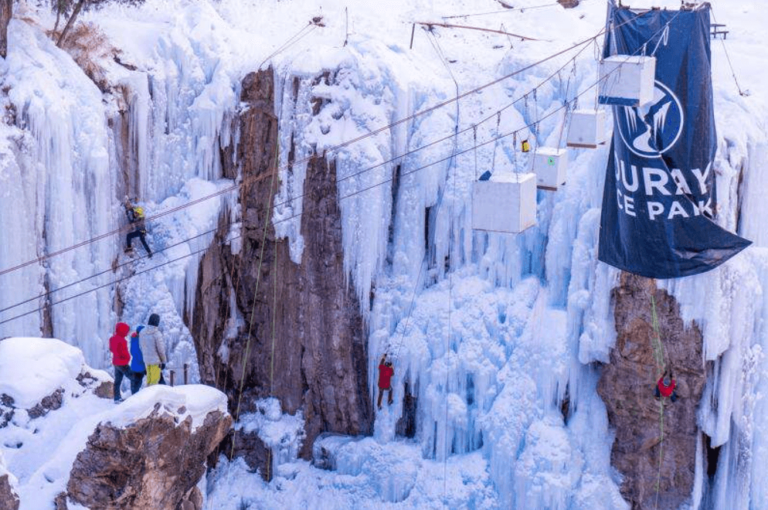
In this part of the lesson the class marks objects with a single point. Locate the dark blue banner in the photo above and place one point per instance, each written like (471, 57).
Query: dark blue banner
(659, 198)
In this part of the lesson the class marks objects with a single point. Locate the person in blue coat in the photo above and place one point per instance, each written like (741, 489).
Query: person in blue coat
(137, 361)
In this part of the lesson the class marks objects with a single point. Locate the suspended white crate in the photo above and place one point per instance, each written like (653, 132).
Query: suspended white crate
(504, 203)
(587, 129)
(627, 80)
(550, 166)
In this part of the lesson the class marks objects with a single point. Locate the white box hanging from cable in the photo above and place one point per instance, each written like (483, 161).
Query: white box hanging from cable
(550, 166)
(505, 203)
(627, 80)
(586, 129)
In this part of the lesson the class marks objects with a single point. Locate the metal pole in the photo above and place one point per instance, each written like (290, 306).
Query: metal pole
(185, 373)
(173, 373)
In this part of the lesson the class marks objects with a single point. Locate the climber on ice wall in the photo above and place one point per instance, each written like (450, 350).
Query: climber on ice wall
(385, 379)
(665, 386)
(153, 348)
(135, 215)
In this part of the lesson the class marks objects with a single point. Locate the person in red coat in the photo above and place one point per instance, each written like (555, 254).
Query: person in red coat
(121, 357)
(665, 386)
(385, 379)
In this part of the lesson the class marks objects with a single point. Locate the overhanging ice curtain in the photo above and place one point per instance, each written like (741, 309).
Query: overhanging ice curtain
(659, 197)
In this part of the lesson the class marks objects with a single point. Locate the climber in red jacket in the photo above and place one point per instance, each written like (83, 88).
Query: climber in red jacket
(385, 379)
(665, 386)
(121, 357)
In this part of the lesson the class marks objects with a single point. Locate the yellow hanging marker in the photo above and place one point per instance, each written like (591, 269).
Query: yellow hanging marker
(526, 146)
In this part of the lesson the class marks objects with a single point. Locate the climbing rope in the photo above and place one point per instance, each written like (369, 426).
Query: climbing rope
(329, 151)
(495, 144)
(272, 174)
(742, 93)
(658, 352)
(451, 168)
(568, 104)
(253, 308)
(312, 24)
(658, 347)
(274, 336)
(661, 448)
(511, 9)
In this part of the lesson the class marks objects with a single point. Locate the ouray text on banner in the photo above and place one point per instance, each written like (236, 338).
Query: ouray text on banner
(660, 198)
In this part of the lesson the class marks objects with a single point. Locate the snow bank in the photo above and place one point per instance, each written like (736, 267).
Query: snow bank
(34, 368)
(194, 401)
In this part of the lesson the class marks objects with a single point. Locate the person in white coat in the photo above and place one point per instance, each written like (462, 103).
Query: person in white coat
(153, 348)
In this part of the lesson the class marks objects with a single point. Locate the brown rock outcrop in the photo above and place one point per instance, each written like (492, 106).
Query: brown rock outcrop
(641, 452)
(153, 463)
(8, 498)
(318, 360)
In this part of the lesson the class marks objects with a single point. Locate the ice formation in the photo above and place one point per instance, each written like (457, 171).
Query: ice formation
(490, 332)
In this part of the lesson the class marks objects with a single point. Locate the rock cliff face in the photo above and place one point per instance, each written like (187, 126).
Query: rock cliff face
(307, 342)
(154, 463)
(9, 500)
(651, 447)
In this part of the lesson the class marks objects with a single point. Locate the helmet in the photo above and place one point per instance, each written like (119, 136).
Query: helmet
(388, 363)
(667, 381)
(139, 211)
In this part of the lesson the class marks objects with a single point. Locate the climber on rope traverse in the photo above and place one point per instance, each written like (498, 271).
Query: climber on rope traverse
(137, 361)
(385, 379)
(153, 349)
(135, 215)
(665, 387)
(121, 359)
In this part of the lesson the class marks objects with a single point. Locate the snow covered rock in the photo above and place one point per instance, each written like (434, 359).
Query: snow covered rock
(9, 500)
(652, 448)
(66, 443)
(152, 452)
(37, 373)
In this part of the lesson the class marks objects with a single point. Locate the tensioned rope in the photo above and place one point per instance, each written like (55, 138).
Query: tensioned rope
(293, 40)
(362, 190)
(658, 352)
(511, 9)
(451, 167)
(255, 301)
(331, 150)
(290, 200)
(253, 312)
(728, 58)
(274, 337)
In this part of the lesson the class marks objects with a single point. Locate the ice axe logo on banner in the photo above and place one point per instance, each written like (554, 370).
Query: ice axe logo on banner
(652, 130)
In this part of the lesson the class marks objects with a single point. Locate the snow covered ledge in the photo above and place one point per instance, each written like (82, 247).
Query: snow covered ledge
(67, 445)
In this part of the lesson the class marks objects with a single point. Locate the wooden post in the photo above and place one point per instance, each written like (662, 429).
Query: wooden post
(173, 373)
(185, 373)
